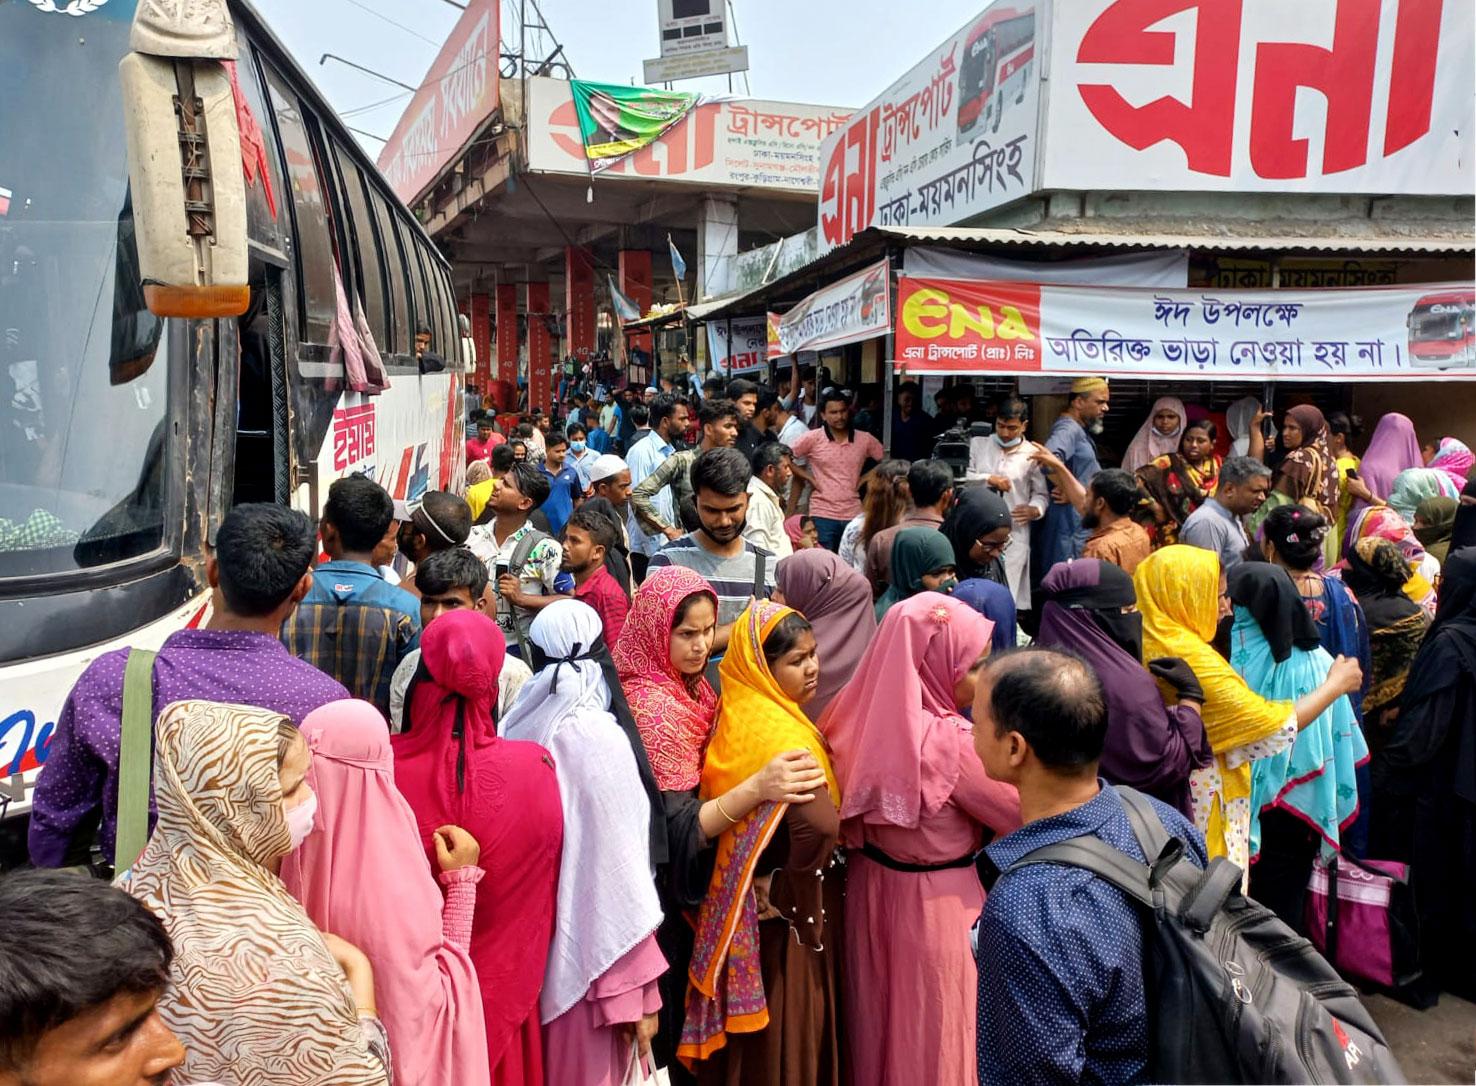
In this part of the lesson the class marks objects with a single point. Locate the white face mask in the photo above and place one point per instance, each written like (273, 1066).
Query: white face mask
(1003, 444)
(300, 819)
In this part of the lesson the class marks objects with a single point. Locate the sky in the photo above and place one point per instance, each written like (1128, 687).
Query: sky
(827, 52)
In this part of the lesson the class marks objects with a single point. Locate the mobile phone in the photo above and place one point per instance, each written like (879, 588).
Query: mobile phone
(1268, 429)
(501, 570)
(1352, 473)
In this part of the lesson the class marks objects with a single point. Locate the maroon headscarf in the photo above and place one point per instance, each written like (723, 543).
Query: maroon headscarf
(453, 768)
(1147, 747)
(837, 601)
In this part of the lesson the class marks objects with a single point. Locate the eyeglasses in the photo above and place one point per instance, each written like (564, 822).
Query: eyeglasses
(995, 549)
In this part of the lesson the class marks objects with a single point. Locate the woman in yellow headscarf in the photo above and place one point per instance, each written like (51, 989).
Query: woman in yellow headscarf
(1181, 594)
(767, 929)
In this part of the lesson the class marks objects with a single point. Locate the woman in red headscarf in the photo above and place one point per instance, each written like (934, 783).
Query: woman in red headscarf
(915, 803)
(662, 658)
(454, 769)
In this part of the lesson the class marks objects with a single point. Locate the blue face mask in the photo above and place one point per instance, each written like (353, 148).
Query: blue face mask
(1008, 444)
(577, 446)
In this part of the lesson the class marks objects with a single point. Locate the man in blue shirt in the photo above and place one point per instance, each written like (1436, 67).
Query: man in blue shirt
(1060, 950)
(565, 489)
(1061, 534)
(353, 625)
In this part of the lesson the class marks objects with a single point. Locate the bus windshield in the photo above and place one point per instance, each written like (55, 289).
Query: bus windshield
(82, 362)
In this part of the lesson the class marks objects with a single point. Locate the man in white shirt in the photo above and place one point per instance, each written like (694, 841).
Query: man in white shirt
(1002, 460)
(668, 420)
(765, 524)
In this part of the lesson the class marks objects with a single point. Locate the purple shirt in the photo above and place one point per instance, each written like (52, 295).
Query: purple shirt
(81, 769)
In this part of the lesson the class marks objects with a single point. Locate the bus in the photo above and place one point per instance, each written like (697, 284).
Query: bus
(1442, 331)
(995, 69)
(129, 429)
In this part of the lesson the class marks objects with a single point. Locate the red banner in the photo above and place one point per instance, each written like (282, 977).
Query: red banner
(458, 95)
(579, 301)
(481, 325)
(540, 347)
(507, 334)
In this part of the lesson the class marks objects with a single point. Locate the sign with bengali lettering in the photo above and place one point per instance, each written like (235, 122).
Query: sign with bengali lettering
(1345, 96)
(748, 349)
(950, 140)
(742, 142)
(458, 95)
(1380, 333)
(849, 310)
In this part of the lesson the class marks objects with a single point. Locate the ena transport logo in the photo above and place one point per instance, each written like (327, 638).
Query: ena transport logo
(969, 326)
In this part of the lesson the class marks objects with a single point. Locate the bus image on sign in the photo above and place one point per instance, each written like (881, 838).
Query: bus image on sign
(125, 436)
(1442, 331)
(995, 68)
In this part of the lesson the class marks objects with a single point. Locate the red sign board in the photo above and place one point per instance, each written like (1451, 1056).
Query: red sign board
(458, 95)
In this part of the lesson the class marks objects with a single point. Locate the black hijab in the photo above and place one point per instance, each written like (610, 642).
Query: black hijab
(1103, 603)
(1376, 573)
(1269, 594)
(977, 512)
(1463, 530)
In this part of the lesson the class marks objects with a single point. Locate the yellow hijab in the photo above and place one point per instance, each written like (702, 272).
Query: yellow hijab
(1178, 595)
(756, 720)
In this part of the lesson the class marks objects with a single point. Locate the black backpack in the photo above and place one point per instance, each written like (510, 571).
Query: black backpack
(1234, 995)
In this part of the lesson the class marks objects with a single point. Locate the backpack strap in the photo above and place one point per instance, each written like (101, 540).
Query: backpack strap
(759, 565)
(1101, 859)
(1148, 828)
(135, 752)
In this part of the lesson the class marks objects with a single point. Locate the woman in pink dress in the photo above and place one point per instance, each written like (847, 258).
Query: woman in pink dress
(914, 805)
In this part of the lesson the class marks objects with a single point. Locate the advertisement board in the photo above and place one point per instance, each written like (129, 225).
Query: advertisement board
(1342, 96)
(745, 142)
(748, 350)
(1383, 333)
(847, 311)
(458, 95)
(951, 139)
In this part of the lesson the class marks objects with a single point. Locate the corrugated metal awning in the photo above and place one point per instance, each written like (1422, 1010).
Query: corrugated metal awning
(872, 242)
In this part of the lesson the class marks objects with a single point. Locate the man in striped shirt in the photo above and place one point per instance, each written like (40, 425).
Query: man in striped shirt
(737, 569)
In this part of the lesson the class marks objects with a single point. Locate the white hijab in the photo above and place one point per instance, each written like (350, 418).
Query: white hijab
(607, 892)
(1238, 417)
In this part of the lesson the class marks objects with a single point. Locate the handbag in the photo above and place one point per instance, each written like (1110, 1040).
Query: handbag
(1368, 929)
(637, 1074)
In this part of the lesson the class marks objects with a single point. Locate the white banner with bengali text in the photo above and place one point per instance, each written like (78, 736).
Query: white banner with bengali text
(1382, 333)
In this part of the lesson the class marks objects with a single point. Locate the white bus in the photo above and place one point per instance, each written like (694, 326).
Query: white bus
(141, 401)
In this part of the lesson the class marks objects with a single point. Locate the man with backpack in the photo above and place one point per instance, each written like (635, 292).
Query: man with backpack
(1109, 949)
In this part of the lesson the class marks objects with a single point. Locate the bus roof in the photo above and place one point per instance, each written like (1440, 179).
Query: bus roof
(266, 39)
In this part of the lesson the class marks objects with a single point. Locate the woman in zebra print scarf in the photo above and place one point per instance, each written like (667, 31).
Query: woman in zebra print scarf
(255, 992)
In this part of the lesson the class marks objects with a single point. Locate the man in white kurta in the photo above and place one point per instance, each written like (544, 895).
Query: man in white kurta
(1003, 461)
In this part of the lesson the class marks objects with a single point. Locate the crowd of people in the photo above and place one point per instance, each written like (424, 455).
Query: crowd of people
(689, 735)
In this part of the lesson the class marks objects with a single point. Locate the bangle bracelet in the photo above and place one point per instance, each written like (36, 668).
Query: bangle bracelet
(731, 820)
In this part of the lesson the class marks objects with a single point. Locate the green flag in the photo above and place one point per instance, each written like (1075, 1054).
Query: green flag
(615, 120)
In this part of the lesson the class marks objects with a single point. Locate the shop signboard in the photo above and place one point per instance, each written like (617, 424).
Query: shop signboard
(950, 140)
(742, 142)
(458, 95)
(1381, 333)
(1338, 96)
(849, 310)
(745, 352)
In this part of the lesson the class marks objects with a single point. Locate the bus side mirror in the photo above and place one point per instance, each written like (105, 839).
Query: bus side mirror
(188, 189)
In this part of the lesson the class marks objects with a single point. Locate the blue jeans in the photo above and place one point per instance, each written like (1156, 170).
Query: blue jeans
(829, 531)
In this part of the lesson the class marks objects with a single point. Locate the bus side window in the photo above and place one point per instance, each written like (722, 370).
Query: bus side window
(417, 281)
(310, 212)
(453, 325)
(263, 223)
(361, 226)
(398, 341)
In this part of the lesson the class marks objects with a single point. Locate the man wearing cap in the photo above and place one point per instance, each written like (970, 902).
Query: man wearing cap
(1062, 536)
(435, 522)
(609, 478)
